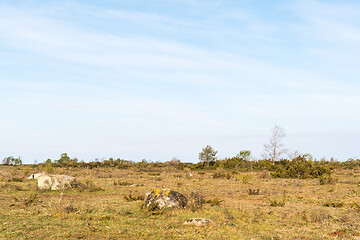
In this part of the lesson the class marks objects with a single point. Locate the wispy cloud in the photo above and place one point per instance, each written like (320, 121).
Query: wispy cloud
(184, 62)
(149, 76)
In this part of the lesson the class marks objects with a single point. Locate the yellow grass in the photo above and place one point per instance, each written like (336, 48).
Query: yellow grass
(100, 211)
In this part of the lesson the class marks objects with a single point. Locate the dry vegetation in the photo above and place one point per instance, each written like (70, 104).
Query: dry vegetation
(108, 205)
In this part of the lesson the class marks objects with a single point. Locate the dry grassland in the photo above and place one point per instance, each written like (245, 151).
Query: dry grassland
(109, 205)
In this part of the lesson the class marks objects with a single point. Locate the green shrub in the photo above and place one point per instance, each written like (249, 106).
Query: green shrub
(204, 166)
(300, 167)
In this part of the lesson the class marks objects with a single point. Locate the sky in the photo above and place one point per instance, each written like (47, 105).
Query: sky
(161, 79)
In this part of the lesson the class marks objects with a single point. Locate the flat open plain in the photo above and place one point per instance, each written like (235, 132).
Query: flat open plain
(109, 205)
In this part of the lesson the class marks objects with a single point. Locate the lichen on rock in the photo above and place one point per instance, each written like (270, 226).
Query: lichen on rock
(165, 198)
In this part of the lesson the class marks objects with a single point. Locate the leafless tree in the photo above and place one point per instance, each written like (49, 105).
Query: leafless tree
(275, 149)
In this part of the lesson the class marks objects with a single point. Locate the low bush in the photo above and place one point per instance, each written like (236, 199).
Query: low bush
(222, 175)
(327, 179)
(195, 201)
(300, 167)
(253, 191)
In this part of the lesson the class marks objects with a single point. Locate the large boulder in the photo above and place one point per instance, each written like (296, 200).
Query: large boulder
(55, 182)
(165, 198)
(36, 175)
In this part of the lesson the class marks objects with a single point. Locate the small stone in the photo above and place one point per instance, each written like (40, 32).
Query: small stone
(198, 221)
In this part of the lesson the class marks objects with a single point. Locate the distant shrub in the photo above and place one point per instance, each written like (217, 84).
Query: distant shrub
(301, 168)
(242, 161)
(204, 166)
(175, 163)
(180, 166)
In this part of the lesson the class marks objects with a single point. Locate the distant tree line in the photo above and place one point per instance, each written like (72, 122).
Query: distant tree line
(297, 166)
(301, 166)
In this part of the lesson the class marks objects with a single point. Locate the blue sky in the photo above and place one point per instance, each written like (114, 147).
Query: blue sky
(162, 79)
